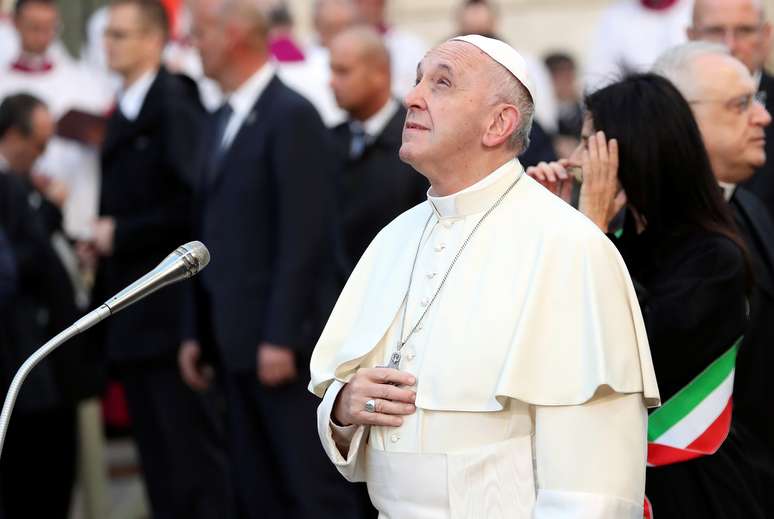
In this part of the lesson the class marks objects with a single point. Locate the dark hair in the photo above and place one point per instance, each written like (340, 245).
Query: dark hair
(663, 165)
(152, 12)
(19, 5)
(16, 113)
(557, 60)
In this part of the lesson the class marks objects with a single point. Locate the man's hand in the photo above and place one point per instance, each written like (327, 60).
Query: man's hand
(197, 376)
(276, 364)
(104, 231)
(379, 384)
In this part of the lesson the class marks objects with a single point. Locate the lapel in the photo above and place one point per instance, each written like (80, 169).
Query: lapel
(120, 129)
(754, 218)
(256, 119)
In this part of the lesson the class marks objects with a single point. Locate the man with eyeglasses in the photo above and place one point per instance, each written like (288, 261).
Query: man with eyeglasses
(742, 27)
(145, 212)
(732, 121)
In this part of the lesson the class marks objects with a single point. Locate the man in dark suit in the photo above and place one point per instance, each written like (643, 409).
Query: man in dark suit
(373, 184)
(145, 213)
(741, 26)
(40, 449)
(264, 196)
(705, 72)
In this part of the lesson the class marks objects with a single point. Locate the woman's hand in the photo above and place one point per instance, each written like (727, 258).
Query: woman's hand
(555, 177)
(600, 196)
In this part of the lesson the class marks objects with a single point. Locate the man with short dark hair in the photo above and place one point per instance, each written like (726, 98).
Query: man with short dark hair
(144, 214)
(40, 450)
(373, 185)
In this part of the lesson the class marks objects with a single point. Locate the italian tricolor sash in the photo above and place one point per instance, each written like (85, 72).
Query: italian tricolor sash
(696, 420)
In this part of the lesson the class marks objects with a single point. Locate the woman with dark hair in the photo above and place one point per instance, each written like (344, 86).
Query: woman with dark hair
(690, 270)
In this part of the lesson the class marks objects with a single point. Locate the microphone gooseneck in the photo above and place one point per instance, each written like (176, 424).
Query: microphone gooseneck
(185, 262)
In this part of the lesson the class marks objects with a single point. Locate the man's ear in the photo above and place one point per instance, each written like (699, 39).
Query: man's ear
(505, 122)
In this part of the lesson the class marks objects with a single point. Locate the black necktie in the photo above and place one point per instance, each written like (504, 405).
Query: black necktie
(222, 117)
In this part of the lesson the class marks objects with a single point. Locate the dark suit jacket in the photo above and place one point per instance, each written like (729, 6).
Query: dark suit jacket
(371, 190)
(42, 305)
(762, 182)
(147, 188)
(263, 217)
(692, 292)
(753, 385)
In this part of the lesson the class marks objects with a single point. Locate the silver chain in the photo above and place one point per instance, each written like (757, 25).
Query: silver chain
(448, 271)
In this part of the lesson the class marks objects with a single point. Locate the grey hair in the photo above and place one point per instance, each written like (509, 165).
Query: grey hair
(678, 64)
(511, 91)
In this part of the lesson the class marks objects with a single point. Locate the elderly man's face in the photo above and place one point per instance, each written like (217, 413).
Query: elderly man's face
(448, 107)
(738, 24)
(210, 37)
(730, 119)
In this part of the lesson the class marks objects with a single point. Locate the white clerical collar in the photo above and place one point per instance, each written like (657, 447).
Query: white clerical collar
(133, 97)
(757, 78)
(478, 197)
(728, 190)
(4, 166)
(374, 125)
(244, 98)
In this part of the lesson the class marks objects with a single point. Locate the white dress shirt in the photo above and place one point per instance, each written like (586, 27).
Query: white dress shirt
(133, 97)
(244, 98)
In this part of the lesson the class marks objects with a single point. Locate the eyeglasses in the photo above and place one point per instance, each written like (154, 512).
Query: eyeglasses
(718, 33)
(738, 104)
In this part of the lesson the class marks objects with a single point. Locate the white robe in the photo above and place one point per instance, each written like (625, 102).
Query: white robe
(533, 369)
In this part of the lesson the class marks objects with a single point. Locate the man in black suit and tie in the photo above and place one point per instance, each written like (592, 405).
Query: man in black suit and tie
(704, 71)
(145, 213)
(742, 27)
(263, 209)
(373, 184)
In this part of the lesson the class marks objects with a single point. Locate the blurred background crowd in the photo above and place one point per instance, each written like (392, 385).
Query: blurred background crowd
(129, 128)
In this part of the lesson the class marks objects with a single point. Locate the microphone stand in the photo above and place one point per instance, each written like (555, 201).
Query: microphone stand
(80, 326)
(184, 262)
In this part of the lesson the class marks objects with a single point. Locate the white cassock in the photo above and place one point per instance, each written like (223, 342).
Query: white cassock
(64, 87)
(629, 38)
(532, 365)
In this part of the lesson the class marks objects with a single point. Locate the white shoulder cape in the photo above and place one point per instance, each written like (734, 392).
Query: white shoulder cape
(539, 308)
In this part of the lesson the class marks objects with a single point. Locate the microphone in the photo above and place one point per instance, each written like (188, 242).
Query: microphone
(183, 263)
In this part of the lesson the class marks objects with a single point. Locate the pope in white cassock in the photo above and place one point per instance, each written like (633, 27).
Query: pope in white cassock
(487, 357)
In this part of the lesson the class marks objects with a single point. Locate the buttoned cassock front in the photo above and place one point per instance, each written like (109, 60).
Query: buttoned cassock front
(533, 368)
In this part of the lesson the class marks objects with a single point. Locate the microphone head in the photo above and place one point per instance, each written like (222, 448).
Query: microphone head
(194, 255)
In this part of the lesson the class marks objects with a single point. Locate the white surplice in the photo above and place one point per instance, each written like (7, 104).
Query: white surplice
(533, 368)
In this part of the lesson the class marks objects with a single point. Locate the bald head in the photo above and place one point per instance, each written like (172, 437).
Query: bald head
(333, 16)
(360, 71)
(231, 36)
(738, 24)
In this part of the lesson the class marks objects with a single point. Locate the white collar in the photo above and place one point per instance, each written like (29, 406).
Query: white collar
(478, 197)
(728, 190)
(244, 98)
(4, 166)
(374, 125)
(757, 78)
(133, 97)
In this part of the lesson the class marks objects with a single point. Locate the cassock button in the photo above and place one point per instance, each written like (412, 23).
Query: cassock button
(440, 247)
(424, 302)
(395, 437)
(431, 275)
(447, 223)
(410, 355)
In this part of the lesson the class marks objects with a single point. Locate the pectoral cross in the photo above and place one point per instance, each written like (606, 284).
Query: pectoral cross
(394, 360)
